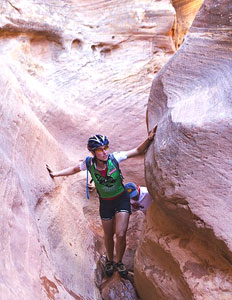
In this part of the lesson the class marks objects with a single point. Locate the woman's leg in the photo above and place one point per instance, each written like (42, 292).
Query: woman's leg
(108, 228)
(121, 225)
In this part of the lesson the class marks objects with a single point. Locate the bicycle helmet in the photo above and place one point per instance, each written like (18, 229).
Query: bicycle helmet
(97, 141)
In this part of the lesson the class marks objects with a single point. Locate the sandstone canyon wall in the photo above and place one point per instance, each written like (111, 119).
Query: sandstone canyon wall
(186, 251)
(69, 69)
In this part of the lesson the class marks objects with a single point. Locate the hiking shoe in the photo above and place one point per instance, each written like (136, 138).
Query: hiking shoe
(109, 268)
(122, 271)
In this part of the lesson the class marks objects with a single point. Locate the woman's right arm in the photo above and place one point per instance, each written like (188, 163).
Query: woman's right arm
(64, 172)
(144, 145)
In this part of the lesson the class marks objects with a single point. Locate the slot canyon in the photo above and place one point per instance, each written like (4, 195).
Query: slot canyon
(74, 68)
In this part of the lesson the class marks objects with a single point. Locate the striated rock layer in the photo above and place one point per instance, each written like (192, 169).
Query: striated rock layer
(40, 253)
(186, 252)
(69, 69)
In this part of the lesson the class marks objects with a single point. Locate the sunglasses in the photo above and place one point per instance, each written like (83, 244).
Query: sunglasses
(99, 150)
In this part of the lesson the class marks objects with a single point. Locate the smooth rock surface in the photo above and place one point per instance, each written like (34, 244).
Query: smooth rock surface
(187, 243)
(69, 69)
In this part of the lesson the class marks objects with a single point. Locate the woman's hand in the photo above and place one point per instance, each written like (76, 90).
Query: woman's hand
(50, 171)
(152, 133)
(142, 148)
(64, 172)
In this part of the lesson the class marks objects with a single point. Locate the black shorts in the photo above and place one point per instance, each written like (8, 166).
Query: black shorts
(108, 208)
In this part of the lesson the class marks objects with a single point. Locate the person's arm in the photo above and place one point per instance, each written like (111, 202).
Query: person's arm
(64, 172)
(143, 146)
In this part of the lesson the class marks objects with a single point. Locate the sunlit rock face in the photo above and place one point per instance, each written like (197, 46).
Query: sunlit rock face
(185, 14)
(40, 245)
(82, 61)
(186, 252)
(69, 69)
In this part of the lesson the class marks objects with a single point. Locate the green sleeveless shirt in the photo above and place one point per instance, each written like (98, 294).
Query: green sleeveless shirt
(108, 187)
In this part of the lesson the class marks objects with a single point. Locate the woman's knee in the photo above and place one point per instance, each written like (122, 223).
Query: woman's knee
(120, 234)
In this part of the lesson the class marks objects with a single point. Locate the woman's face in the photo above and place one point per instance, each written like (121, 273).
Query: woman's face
(102, 153)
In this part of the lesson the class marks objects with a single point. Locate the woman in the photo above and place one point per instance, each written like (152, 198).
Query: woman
(114, 199)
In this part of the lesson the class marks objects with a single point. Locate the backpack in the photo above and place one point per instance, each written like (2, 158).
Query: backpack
(89, 161)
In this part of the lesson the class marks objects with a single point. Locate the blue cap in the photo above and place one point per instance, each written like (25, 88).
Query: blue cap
(131, 189)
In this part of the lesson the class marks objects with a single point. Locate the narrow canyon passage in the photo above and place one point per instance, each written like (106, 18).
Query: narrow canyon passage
(70, 69)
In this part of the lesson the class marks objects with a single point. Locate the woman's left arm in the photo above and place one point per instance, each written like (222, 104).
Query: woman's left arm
(143, 146)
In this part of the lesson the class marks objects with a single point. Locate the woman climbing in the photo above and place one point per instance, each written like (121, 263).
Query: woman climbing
(114, 199)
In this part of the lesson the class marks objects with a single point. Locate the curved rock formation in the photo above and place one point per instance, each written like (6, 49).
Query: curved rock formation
(69, 69)
(40, 249)
(186, 252)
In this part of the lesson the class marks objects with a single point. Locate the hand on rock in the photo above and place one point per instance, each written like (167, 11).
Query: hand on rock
(50, 171)
(152, 132)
